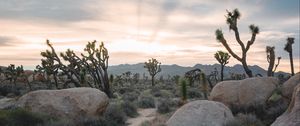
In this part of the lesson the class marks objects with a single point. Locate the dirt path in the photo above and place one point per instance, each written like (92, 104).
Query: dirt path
(144, 115)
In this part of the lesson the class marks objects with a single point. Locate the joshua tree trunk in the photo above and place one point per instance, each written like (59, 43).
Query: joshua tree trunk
(152, 80)
(246, 68)
(55, 79)
(292, 64)
(106, 84)
(222, 74)
(271, 64)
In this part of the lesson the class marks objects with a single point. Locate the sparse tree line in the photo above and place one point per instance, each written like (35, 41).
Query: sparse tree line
(90, 68)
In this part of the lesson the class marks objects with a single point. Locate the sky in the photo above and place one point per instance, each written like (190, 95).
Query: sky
(172, 31)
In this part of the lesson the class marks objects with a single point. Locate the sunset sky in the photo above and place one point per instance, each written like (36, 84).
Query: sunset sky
(173, 31)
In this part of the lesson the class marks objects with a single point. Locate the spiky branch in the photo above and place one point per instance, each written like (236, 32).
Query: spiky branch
(231, 20)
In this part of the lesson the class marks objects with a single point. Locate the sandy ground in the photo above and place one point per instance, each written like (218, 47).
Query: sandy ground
(144, 115)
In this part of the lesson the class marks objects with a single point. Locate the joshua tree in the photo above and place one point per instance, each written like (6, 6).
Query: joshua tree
(12, 73)
(222, 58)
(95, 63)
(271, 59)
(153, 67)
(231, 20)
(288, 47)
(193, 75)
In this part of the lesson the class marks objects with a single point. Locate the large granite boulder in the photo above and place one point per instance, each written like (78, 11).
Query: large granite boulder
(289, 85)
(70, 103)
(201, 113)
(244, 93)
(292, 115)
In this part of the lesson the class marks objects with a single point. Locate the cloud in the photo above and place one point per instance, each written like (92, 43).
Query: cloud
(8, 41)
(174, 31)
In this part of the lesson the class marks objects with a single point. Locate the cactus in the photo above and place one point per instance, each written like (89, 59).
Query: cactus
(183, 90)
(204, 85)
(111, 78)
(289, 48)
(222, 58)
(231, 20)
(153, 67)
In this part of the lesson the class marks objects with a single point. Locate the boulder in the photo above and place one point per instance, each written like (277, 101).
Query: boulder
(289, 85)
(71, 103)
(244, 93)
(201, 113)
(291, 117)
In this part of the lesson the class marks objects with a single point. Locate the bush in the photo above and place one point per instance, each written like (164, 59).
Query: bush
(194, 93)
(131, 96)
(129, 108)
(244, 120)
(146, 101)
(21, 117)
(165, 105)
(114, 115)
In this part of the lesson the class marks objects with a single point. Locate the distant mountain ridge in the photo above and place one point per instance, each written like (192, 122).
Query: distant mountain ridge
(180, 70)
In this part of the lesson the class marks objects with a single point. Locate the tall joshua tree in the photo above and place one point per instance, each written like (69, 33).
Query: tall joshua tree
(288, 47)
(231, 19)
(271, 59)
(94, 63)
(222, 58)
(153, 67)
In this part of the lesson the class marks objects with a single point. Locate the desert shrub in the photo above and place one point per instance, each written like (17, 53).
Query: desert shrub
(21, 117)
(146, 101)
(129, 108)
(155, 91)
(125, 90)
(244, 120)
(165, 105)
(5, 90)
(194, 93)
(131, 96)
(114, 115)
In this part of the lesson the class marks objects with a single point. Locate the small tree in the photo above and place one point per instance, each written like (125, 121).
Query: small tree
(231, 20)
(153, 67)
(288, 47)
(12, 73)
(222, 58)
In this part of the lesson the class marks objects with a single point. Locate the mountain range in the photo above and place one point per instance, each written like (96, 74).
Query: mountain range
(181, 70)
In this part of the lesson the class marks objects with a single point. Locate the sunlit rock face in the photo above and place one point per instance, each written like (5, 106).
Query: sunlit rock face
(70, 103)
(201, 113)
(292, 115)
(244, 93)
(289, 85)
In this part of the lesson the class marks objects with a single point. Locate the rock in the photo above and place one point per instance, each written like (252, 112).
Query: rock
(7, 102)
(291, 117)
(71, 103)
(244, 93)
(201, 113)
(289, 85)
